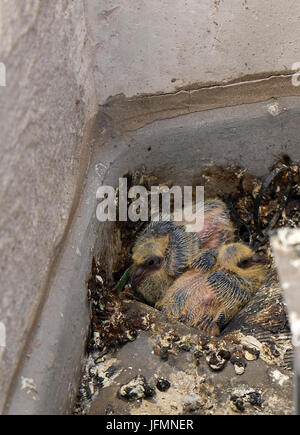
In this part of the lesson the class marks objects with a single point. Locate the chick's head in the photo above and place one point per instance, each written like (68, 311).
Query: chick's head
(242, 260)
(161, 253)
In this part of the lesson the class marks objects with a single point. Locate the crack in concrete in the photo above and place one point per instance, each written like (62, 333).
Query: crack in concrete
(214, 86)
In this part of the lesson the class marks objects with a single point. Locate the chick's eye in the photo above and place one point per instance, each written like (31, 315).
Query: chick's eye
(245, 263)
(154, 262)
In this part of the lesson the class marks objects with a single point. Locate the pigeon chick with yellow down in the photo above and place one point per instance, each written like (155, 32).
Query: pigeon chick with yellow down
(221, 282)
(165, 250)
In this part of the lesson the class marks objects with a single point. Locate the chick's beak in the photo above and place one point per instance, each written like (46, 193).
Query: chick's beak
(255, 259)
(137, 275)
(259, 259)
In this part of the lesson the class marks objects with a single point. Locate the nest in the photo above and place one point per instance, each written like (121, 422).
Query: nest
(257, 207)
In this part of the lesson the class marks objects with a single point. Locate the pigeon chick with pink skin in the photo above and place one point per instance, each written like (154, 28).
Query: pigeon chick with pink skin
(219, 284)
(165, 250)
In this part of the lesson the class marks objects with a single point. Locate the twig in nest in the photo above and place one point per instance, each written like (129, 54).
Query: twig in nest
(265, 185)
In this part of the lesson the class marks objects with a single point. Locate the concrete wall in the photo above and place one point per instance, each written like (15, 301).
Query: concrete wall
(158, 46)
(49, 98)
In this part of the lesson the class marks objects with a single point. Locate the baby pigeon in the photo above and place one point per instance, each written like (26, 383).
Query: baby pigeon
(221, 283)
(161, 253)
(217, 228)
(165, 250)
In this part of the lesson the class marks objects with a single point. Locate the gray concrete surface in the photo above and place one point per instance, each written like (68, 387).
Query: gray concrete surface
(148, 47)
(43, 154)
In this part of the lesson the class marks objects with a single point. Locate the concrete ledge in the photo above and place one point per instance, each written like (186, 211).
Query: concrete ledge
(131, 113)
(180, 148)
